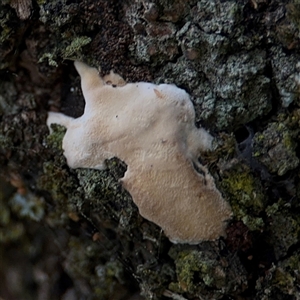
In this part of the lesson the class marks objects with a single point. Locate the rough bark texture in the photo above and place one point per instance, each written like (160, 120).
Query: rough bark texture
(76, 234)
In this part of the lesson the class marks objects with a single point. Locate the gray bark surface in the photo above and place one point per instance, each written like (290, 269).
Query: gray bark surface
(76, 234)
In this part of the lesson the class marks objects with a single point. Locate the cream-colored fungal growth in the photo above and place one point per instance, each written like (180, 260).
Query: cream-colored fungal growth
(151, 128)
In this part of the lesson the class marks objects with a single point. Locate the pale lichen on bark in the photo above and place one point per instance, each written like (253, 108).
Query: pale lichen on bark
(239, 62)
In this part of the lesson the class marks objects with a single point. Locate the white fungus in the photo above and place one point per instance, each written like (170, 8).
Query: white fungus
(151, 128)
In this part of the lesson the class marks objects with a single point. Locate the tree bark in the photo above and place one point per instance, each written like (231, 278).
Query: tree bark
(76, 234)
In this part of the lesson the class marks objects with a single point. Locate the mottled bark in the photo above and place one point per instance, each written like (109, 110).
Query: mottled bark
(76, 234)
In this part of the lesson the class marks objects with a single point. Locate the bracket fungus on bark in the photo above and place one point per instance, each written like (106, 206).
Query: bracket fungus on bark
(151, 128)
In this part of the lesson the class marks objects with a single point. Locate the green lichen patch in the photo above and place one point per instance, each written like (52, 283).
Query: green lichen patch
(245, 194)
(202, 273)
(54, 140)
(75, 47)
(56, 177)
(193, 264)
(50, 58)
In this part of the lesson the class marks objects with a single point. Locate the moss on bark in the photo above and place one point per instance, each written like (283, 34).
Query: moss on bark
(76, 233)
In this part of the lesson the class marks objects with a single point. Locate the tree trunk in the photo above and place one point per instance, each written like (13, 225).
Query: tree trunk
(75, 233)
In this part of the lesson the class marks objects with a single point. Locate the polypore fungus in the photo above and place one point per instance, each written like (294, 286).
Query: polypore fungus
(151, 128)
